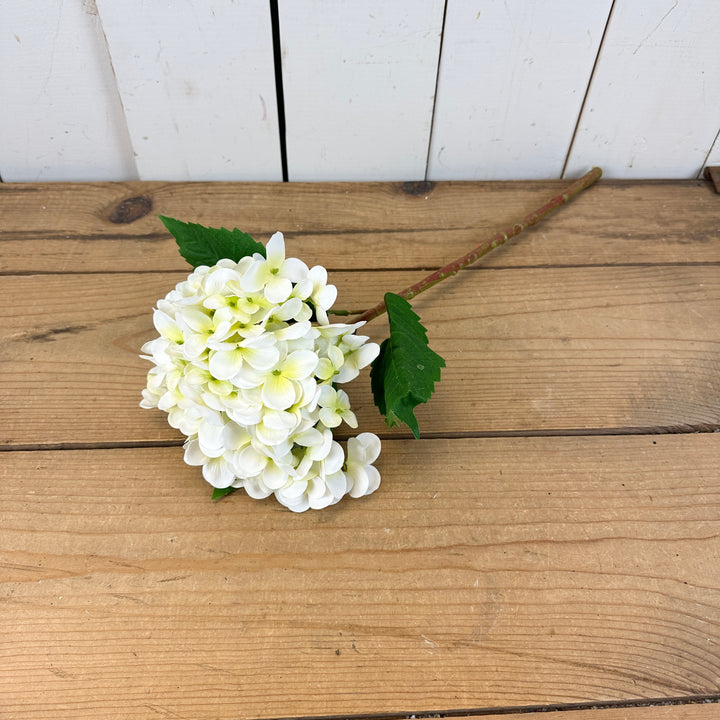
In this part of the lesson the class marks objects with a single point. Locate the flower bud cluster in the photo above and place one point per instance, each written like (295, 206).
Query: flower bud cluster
(246, 366)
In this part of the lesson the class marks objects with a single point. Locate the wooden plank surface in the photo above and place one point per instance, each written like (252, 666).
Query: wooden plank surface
(484, 572)
(511, 86)
(572, 559)
(67, 228)
(621, 348)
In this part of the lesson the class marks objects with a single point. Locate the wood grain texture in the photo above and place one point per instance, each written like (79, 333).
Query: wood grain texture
(527, 350)
(359, 83)
(659, 64)
(67, 227)
(563, 566)
(61, 115)
(197, 82)
(483, 573)
(511, 85)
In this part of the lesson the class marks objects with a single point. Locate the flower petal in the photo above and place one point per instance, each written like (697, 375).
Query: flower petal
(294, 269)
(299, 364)
(278, 392)
(225, 365)
(275, 250)
(277, 289)
(218, 473)
(249, 462)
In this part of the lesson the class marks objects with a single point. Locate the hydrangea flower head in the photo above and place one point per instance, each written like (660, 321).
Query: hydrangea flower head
(244, 372)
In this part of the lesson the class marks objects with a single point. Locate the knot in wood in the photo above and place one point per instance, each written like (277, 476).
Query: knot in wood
(131, 210)
(421, 187)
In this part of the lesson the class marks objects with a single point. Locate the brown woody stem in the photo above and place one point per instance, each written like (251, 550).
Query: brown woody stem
(486, 246)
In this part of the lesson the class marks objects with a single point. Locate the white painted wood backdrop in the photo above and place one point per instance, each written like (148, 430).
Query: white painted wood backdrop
(373, 89)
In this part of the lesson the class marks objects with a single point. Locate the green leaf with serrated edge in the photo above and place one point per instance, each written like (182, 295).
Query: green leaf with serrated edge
(201, 245)
(222, 492)
(405, 372)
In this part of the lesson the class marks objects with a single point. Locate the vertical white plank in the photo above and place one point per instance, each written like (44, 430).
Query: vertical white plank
(197, 82)
(713, 157)
(359, 82)
(61, 117)
(652, 109)
(512, 79)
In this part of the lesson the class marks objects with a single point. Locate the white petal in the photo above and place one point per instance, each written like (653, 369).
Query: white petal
(271, 437)
(210, 438)
(288, 309)
(298, 505)
(350, 418)
(255, 276)
(218, 473)
(166, 326)
(274, 477)
(373, 479)
(336, 483)
(336, 356)
(218, 279)
(193, 454)
(309, 438)
(235, 436)
(294, 269)
(300, 364)
(318, 275)
(197, 320)
(303, 288)
(278, 392)
(320, 452)
(335, 459)
(281, 420)
(329, 418)
(249, 462)
(261, 358)
(325, 369)
(256, 489)
(247, 379)
(366, 354)
(318, 503)
(316, 488)
(293, 490)
(328, 396)
(360, 481)
(364, 449)
(225, 365)
(278, 289)
(325, 297)
(293, 332)
(275, 250)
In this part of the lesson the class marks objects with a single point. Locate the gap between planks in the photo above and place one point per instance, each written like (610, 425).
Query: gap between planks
(342, 436)
(424, 268)
(692, 708)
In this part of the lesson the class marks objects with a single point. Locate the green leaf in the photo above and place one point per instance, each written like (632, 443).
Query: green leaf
(222, 492)
(405, 372)
(201, 245)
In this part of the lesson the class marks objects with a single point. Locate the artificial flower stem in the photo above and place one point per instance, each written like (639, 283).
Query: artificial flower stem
(345, 312)
(491, 243)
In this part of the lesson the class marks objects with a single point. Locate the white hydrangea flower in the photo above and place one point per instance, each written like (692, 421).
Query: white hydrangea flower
(243, 372)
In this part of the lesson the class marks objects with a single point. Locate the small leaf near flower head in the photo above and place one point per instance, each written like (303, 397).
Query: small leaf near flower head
(222, 492)
(201, 245)
(406, 370)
